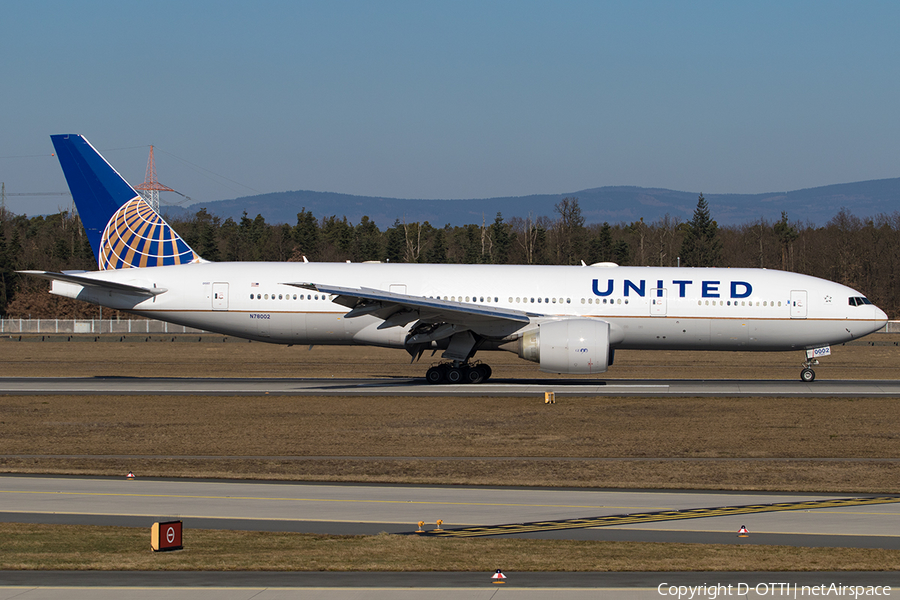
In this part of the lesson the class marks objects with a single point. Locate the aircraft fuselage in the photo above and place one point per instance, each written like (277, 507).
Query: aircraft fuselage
(647, 307)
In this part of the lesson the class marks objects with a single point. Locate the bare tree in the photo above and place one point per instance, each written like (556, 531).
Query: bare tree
(569, 231)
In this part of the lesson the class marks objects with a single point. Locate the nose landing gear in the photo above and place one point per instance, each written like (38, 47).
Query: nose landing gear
(807, 374)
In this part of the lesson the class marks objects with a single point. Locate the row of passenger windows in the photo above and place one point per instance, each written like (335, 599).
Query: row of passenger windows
(699, 302)
(743, 303)
(287, 297)
(611, 301)
(529, 300)
(489, 299)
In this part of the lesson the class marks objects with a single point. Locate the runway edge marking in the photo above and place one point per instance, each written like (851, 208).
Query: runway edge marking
(649, 517)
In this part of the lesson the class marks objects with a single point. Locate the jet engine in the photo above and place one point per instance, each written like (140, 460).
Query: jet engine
(568, 346)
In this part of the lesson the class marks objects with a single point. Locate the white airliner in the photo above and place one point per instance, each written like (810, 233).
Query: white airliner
(569, 319)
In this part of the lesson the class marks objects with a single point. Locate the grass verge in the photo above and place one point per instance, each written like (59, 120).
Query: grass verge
(77, 547)
(845, 477)
(769, 443)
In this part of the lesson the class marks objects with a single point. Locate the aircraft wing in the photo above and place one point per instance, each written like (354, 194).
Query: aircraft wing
(400, 309)
(112, 286)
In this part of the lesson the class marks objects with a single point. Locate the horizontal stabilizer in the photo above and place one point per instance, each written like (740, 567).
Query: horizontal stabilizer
(112, 286)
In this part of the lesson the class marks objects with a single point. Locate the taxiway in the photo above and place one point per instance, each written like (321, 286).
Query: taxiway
(369, 509)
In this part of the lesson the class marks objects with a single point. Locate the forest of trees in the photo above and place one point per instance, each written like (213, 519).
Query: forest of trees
(861, 253)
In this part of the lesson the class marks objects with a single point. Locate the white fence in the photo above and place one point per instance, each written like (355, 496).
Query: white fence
(88, 326)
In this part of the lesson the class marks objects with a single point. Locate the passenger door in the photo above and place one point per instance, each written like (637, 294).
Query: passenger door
(798, 304)
(658, 302)
(220, 296)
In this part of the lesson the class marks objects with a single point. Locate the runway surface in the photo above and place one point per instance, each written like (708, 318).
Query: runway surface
(418, 387)
(369, 509)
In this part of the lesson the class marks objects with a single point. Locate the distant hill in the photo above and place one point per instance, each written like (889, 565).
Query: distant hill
(612, 204)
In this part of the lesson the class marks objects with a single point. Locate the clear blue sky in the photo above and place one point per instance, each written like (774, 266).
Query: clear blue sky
(452, 99)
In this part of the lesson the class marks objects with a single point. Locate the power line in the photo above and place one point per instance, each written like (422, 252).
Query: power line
(30, 156)
(4, 194)
(205, 170)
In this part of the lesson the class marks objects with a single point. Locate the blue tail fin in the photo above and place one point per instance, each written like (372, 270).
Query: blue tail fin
(123, 230)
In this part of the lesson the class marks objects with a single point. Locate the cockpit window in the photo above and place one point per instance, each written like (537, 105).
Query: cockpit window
(859, 301)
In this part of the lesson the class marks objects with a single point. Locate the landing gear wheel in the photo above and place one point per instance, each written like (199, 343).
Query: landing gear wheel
(455, 375)
(476, 374)
(435, 375)
(807, 375)
(460, 373)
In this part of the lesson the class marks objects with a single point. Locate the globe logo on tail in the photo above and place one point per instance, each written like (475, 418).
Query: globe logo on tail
(136, 236)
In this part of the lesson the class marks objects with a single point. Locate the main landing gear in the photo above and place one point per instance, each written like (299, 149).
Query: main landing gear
(458, 372)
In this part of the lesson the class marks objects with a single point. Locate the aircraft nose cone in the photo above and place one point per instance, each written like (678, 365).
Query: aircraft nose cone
(880, 319)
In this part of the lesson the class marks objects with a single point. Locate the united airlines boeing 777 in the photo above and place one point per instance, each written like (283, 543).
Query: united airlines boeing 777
(569, 319)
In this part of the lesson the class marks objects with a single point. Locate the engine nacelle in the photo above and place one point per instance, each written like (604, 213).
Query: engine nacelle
(568, 346)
